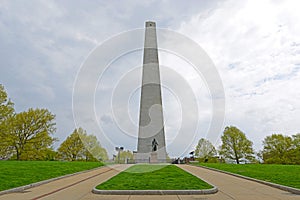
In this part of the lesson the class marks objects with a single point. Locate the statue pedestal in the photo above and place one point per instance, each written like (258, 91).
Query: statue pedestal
(153, 157)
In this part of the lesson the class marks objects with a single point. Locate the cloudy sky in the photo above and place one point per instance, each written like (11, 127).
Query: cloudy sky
(254, 45)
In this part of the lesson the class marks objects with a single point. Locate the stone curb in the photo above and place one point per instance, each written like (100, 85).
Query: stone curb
(155, 192)
(158, 192)
(25, 187)
(278, 186)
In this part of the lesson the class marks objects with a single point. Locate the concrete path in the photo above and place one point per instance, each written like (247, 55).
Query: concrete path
(79, 187)
(231, 187)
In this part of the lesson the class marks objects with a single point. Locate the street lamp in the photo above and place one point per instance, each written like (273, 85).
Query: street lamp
(119, 149)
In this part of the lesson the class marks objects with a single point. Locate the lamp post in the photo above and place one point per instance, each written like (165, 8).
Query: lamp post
(119, 149)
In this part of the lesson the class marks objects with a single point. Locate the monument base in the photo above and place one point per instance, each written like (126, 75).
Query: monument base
(158, 156)
(153, 157)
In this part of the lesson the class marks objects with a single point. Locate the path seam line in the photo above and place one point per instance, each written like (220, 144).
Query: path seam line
(59, 189)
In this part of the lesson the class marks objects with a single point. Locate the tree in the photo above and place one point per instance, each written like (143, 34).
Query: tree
(295, 152)
(235, 145)
(93, 149)
(124, 156)
(81, 146)
(6, 106)
(30, 132)
(72, 148)
(40, 149)
(6, 110)
(205, 149)
(281, 149)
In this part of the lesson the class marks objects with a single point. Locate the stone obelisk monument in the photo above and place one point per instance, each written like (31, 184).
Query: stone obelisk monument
(151, 136)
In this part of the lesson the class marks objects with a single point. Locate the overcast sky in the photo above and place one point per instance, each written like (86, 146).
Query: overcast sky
(254, 45)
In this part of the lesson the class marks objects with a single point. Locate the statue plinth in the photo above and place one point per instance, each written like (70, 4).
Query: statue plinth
(153, 157)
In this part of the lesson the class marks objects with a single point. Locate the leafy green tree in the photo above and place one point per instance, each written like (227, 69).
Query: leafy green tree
(40, 149)
(72, 148)
(124, 156)
(235, 145)
(30, 132)
(93, 149)
(278, 149)
(81, 146)
(295, 152)
(6, 105)
(6, 111)
(205, 149)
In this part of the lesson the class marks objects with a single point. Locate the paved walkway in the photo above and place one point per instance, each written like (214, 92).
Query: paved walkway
(79, 187)
(231, 187)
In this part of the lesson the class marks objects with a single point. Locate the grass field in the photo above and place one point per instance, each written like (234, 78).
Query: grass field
(19, 173)
(154, 177)
(288, 175)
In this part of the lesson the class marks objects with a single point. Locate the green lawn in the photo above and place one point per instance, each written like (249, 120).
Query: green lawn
(19, 173)
(154, 177)
(288, 175)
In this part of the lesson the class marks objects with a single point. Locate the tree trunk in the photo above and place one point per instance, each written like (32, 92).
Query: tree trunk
(18, 153)
(236, 156)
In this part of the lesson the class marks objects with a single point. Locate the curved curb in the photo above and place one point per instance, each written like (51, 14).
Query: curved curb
(25, 187)
(274, 185)
(156, 192)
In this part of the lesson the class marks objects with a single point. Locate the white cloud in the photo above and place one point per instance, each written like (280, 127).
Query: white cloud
(254, 45)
